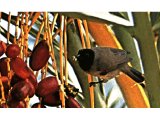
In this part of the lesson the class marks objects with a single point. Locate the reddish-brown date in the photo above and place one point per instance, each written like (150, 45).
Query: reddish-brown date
(47, 86)
(72, 103)
(20, 91)
(12, 103)
(6, 87)
(3, 105)
(2, 48)
(3, 66)
(38, 105)
(20, 68)
(32, 88)
(12, 51)
(39, 56)
(52, 99)
(32, 78)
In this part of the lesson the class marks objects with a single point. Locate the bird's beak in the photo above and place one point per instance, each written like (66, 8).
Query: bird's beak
(75, 57)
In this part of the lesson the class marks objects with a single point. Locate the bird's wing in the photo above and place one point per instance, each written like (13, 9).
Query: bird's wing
(108, 59)
(120, 56)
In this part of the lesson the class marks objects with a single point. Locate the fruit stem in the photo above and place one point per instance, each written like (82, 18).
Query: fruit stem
(16, 28)
(90, 78)
(8, 29)
(45, 25)
(30, 15)
(34, 19)
(38, 34)
(65, 52)
(87, 34)
(51, 52)
(42, 73)
(62, 95)
(54, 22)
(26, 36)
(54, 63)
(39, 105)
(81, 32)
(2, 90)
(9, 70)
(56, 33)
(22, 37)
(27, 101)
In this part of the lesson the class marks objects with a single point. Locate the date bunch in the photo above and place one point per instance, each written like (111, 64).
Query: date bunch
(18, 83)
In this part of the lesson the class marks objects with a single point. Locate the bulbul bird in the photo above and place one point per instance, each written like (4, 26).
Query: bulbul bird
(106, 63)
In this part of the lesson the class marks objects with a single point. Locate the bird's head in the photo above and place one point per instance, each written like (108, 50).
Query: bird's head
(85, 58)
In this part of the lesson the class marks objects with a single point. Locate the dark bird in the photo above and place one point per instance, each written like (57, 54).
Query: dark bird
(107, 63)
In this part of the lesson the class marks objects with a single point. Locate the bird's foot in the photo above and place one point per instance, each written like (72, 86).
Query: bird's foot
(94, 83)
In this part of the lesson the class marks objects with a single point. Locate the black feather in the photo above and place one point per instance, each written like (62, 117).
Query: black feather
(134, 74)
(85, 58)
(138, 74)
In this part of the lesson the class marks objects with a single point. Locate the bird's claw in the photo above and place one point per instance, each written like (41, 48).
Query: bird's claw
(92, 84)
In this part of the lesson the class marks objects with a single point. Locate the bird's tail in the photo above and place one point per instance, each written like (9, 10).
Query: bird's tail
(134, 74)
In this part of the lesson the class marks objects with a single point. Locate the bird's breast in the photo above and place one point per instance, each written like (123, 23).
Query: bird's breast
(110, 75)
